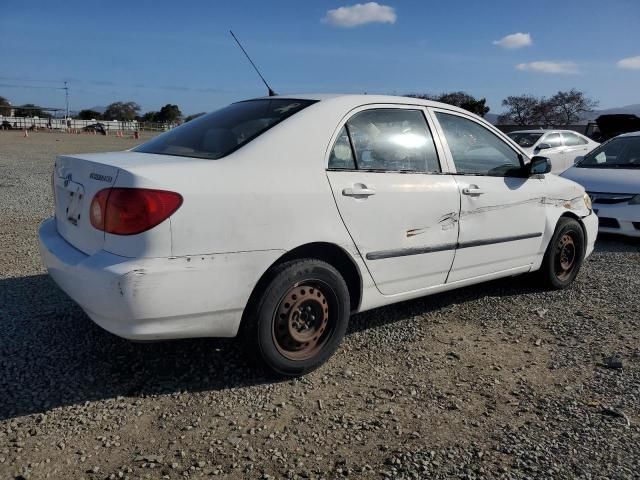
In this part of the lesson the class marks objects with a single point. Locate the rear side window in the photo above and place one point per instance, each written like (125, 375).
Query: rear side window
(221, 132)
(553, 140)
(572, 140)
(341, 155)
(388, 139)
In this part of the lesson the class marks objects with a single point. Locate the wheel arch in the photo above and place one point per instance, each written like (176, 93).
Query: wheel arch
(331, 253)
(572, 215)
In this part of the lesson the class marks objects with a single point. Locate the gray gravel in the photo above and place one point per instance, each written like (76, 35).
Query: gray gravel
(502, 380)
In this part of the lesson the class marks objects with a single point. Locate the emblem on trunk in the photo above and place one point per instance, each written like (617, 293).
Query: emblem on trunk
(67, 179)
(101, 178)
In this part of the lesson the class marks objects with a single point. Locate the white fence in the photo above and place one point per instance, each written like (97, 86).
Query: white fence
(68, 124)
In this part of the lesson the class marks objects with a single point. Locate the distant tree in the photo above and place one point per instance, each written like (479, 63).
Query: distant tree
(563, 108)
(569, 105)
(122, 111)
(195, 115)
(458, 99)
(5, 107)
(169, 113)
(521, 110)
(149, 117)
(89, 115)
(31, 110)
(545, 114)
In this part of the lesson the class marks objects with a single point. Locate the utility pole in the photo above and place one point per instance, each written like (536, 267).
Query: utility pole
(66, 94)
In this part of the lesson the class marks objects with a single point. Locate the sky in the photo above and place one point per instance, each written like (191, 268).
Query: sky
(158, 52)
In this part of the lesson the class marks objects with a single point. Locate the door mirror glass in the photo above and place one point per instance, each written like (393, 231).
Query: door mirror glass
(578, 159)
(539, 166)
(543, 146)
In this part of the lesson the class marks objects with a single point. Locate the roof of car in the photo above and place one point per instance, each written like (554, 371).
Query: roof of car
(363, 99)
(542, 130)
(630, 134)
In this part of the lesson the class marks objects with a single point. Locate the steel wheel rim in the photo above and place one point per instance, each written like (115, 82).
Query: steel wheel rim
(566, 256)
(302, 323)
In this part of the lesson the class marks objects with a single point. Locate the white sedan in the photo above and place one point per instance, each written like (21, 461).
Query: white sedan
(611, 176)
(276, 218)
(562, 147)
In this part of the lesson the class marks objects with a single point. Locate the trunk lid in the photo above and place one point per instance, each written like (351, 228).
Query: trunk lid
(76, 180)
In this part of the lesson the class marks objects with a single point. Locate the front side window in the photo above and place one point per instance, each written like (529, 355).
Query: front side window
(391, 140)
(621, 152)
(572, 140)
(475, 150)
(221, 132)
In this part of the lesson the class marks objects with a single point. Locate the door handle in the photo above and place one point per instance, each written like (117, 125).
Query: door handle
(358, 190)
(472, 190)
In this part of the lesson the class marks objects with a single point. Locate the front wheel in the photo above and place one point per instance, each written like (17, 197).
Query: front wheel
(564, 255)
(299, 318)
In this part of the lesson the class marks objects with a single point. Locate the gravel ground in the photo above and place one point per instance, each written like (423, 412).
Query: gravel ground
(501, 380)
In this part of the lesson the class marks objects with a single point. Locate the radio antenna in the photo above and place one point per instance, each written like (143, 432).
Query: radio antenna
(271, 92)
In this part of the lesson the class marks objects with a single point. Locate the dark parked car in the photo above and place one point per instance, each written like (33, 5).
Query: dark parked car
(95, 127)
(6, 125)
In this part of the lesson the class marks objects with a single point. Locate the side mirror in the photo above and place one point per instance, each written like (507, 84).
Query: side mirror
(578, 159)
(539, 166)
(543, 146)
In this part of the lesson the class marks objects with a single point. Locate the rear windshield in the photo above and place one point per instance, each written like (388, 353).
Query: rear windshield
(221, 132)
(525, 140)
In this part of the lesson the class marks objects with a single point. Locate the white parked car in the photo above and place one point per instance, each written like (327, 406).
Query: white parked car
(562, 147)
(611, 176)
(277, 217)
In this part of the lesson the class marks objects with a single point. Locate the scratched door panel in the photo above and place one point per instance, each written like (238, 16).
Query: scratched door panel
(406, 230)
(501, 228)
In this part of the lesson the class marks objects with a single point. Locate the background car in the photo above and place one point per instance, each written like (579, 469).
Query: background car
(6, 125)
(560, 146)
(611, 176)
(276, 218)
(95, 127)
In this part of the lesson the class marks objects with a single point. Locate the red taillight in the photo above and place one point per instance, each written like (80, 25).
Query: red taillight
(128, 211)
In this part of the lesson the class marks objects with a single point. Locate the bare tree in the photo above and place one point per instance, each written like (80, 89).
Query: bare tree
(521, 110)
(563, 108)
(458, 99)
(569, 105)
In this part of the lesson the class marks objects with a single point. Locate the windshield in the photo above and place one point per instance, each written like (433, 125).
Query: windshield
(525, 140)
(620, 152)
(221, 132)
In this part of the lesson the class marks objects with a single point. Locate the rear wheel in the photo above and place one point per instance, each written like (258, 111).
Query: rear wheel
(564, 255)
(299, 317)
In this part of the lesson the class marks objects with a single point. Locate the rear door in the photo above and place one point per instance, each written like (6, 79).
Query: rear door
(574, 146)
(502, 214)
(397, 204)
(555, 152)
(75, 182)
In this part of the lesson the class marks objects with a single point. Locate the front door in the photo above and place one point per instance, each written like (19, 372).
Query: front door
(398, 207)
(502, 214)
(555, 151)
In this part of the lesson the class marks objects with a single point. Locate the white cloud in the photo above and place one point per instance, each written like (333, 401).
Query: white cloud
(549, 67)
(515, 40)
(359, 14)
(631, 63)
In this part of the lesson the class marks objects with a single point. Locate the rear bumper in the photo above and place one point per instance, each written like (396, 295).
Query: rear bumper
(155, 298)
(621, 219)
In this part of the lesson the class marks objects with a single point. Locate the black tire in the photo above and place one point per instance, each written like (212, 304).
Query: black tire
(299, 318)
(564, 255)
